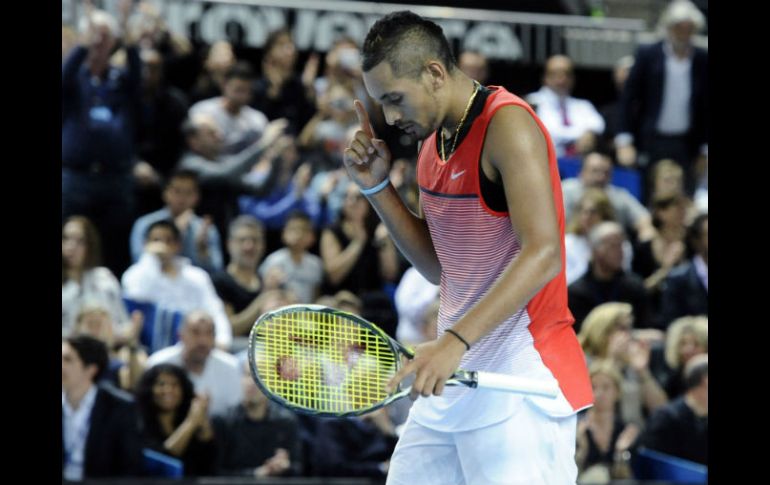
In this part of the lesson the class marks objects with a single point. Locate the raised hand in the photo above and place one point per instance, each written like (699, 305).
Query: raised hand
(367, 158)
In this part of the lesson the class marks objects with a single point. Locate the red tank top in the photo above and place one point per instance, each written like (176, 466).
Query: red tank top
(475, 244)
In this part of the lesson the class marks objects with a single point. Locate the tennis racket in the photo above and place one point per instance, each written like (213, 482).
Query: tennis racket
(322, 361)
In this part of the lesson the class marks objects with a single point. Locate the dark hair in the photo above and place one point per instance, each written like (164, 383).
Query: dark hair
(695, 374)
(405, 40)
(146, 401)
(91, 351)
(273, 37)
(662, 202)
(694, 232)
(189, 128)
(183, 173)
(168, 224)
(93, 257)
(240, 70)
(298, 215)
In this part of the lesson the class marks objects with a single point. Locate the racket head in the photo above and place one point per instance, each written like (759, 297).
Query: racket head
(322, 361)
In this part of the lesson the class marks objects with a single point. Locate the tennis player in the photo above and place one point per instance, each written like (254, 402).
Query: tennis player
(491, 233)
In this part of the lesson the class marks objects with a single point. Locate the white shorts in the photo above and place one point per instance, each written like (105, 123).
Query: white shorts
(529, 448)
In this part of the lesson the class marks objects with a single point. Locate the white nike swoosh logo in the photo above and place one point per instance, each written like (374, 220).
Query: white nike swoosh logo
(455, 175)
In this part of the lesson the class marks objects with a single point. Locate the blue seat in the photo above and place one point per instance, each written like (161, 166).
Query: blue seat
(161, 324)
(569, 167)
(160, 465)
(653, 465)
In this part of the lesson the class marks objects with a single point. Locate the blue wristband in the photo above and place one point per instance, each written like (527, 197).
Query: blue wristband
(376, 188)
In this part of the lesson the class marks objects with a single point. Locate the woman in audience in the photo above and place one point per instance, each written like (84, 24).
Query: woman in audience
(655, 258)
(127, 359)
(685, 338)
(358, 255)
(174, 420)
(606, 333)
(603, 437)
(84, 279)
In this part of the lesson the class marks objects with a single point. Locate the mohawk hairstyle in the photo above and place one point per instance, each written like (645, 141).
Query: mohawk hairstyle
(406, 41)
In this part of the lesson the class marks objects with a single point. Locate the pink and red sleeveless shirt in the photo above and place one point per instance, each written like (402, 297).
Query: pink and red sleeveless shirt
(474, 245)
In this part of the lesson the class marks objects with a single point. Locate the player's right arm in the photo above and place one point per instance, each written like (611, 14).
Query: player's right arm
(367, 160)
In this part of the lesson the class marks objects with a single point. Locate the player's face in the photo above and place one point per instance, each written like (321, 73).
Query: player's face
(409, 104)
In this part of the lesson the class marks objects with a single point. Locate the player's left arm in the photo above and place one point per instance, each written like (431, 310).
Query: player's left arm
(516, 150)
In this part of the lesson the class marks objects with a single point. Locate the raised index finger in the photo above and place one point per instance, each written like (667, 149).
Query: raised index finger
(363, 118)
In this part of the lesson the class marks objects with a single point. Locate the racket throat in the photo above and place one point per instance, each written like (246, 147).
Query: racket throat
(467, 378)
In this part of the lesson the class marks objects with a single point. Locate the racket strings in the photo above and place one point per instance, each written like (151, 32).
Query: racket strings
(323, 361)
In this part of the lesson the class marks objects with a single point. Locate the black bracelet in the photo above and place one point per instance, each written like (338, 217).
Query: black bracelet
(467, 345)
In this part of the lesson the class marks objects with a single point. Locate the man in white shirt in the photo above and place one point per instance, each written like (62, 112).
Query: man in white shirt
(240, 124)
(166, 279)
(597, 172)
(573, 123)
(100, 434)
(212, 371)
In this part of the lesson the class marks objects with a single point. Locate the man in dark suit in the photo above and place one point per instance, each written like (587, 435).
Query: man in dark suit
(100, 433)
(685, 290)
(664, 105)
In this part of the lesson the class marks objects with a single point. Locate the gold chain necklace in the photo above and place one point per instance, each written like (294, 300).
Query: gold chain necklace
(476, 87)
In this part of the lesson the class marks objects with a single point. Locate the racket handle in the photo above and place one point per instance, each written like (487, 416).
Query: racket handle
(503, 382)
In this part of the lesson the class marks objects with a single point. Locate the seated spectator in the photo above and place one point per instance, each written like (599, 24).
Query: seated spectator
(681, 427)
(239, 285)
(686, 337)
(654, 259)
(160, 141)
(602, 436)
(414, 296)
(257, 438)
(240, 124)
(685, 290)
(214, 373)
(605, 279)
(280, 93)
(127, 359)
(327, 131)
(287, 178)
(354, 447)
(166, 279)
(607, 334)
(200, 238)
(83, 278)
(357, 256)
(573, 123)
(302, 271)
(175, 420)
(219, 58)
(222, 176)
(593, 207)
(475, 65)
(93, 416)
(596, 172)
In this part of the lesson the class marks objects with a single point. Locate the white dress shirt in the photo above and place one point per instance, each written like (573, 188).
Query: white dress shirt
(674, 116)
(581, 114)
(77, 423)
